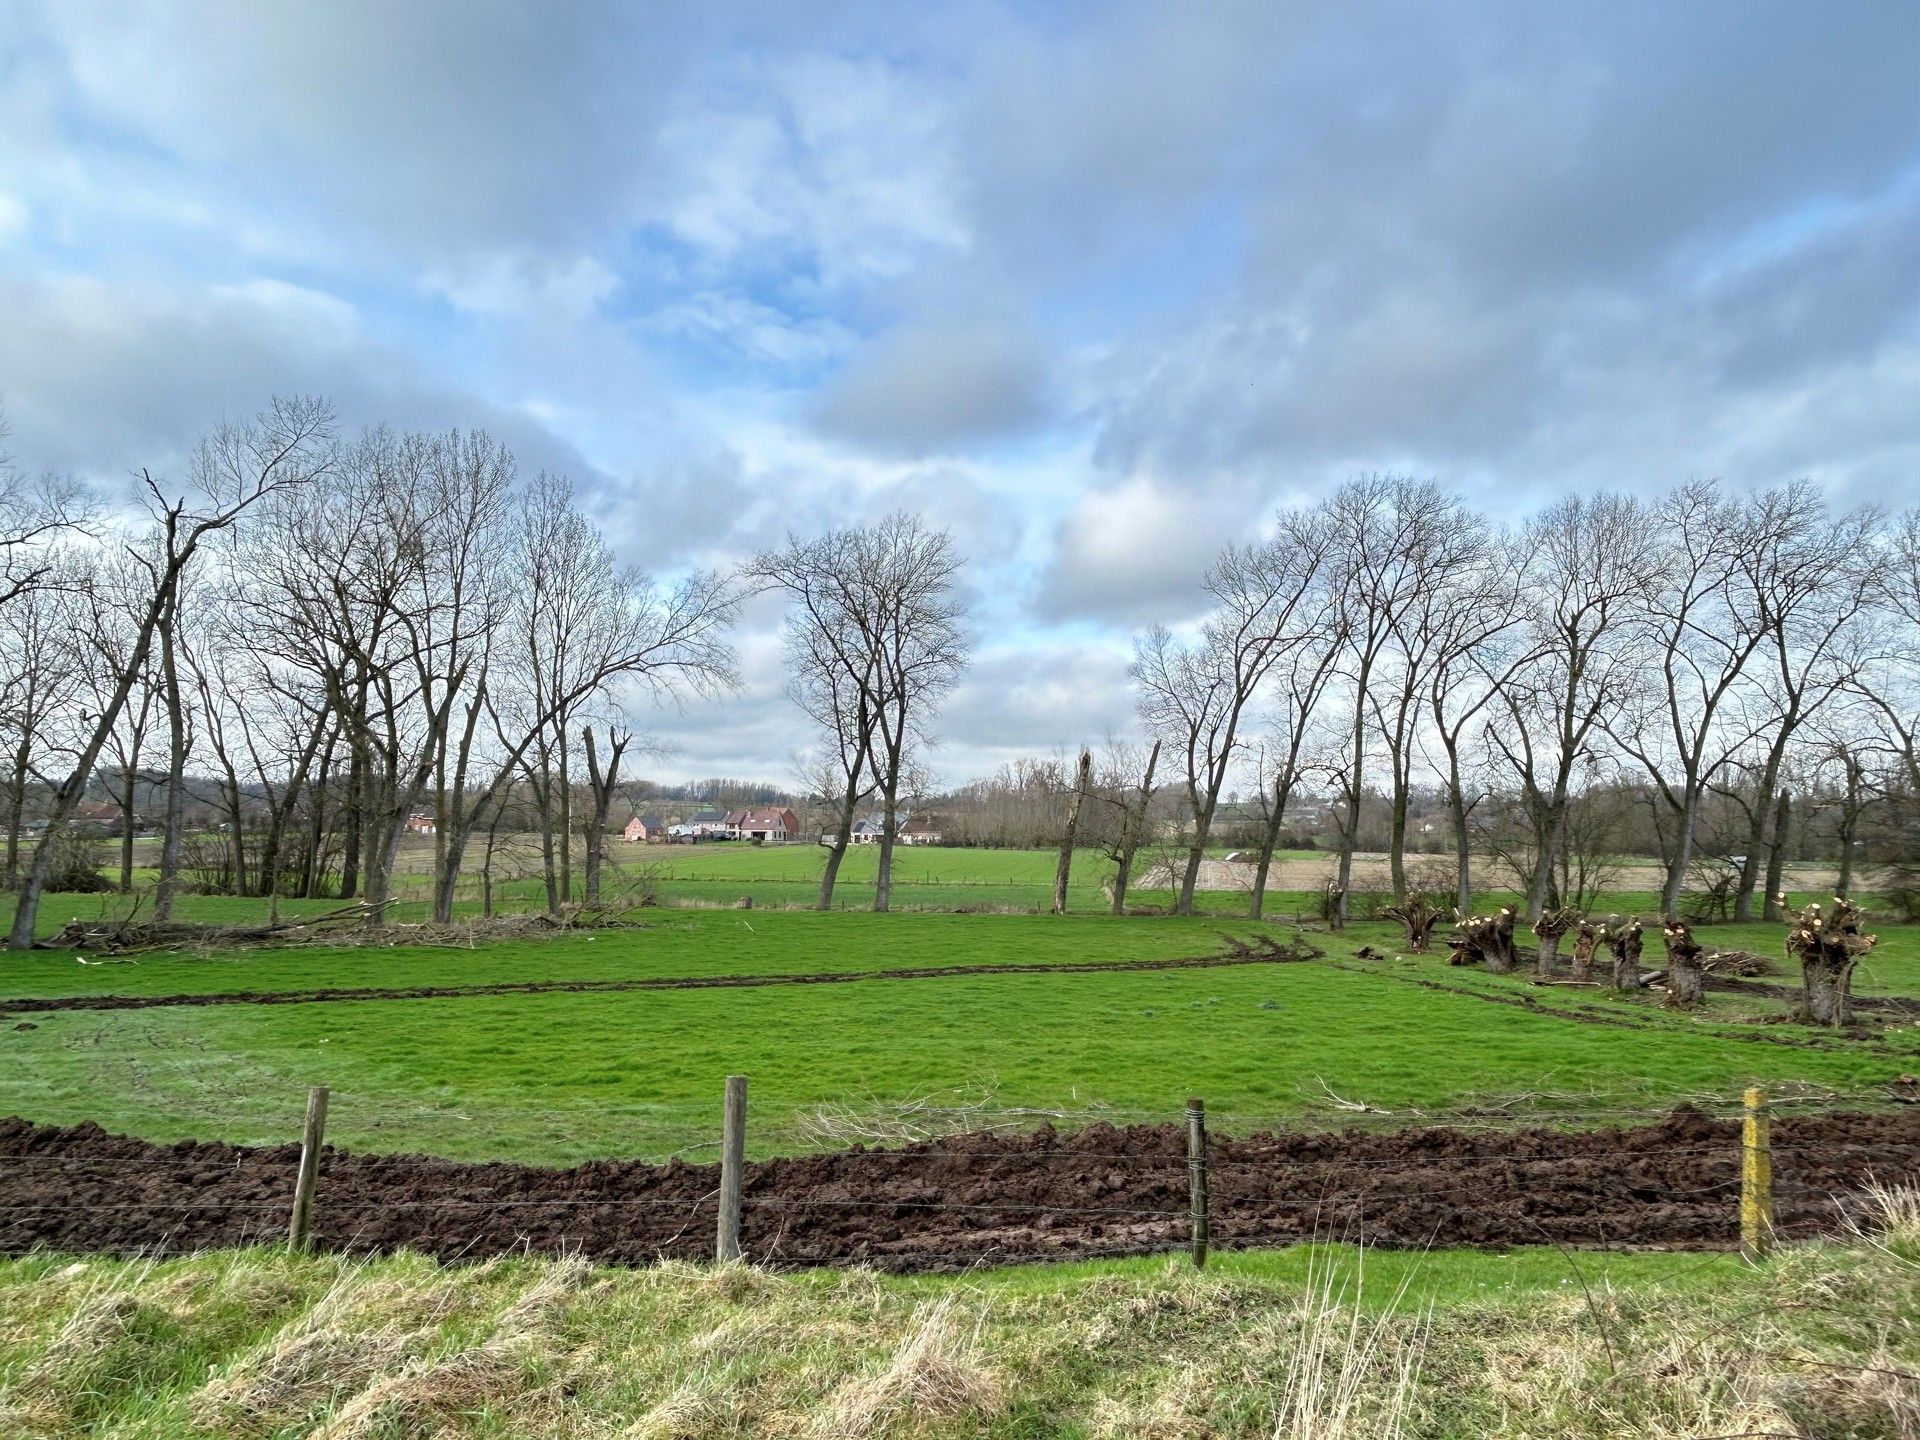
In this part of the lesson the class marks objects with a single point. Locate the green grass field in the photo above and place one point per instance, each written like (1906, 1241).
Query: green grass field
(558, 1076)
(1297, 1342)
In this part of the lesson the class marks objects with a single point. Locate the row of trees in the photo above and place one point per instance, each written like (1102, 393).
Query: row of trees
(1696, 646)
(331, 636)
(343, 633)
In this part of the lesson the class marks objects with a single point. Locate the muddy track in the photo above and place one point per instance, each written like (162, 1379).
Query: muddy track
(42, 1004)
(966, 1199)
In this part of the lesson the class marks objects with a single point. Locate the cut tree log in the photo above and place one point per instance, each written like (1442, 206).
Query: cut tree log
(1828, 944)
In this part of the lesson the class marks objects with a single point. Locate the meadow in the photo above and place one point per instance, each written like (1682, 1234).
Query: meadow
(1312, 1337)
(556, 1076)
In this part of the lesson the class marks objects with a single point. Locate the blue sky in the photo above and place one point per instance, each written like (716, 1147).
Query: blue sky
(1099, 286)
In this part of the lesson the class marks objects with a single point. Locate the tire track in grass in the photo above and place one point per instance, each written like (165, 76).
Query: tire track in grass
(1272, 954)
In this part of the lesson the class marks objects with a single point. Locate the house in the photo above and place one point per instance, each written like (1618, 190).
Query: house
(919, 830)
(702, 825)
(769, 826)
(102, 817)
(644, 829)
(420, 824)
(908, 829)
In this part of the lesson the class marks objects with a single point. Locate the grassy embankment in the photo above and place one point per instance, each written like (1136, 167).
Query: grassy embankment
(1311, 1342)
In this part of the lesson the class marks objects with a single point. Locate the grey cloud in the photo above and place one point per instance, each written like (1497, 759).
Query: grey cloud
(1134, 553)
(937, 385)
(1049, 693)
(102, 379)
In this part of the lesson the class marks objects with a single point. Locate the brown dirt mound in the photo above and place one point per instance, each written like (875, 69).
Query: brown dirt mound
(966, 1199)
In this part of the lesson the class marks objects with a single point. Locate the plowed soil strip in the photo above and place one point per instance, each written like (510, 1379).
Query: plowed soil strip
(967, 1199)
(41, 1004)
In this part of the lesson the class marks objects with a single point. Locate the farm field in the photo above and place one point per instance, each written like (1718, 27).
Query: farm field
(556, 1075)
(937, 877)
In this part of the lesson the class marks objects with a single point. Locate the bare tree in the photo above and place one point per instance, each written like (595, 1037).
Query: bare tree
(286, 447)
(1195, 695)
(1082, 782)
(602, 780)
(1586, 561)
(1696, 641)
(1385, 531)
(874, 641)
(1125, 795)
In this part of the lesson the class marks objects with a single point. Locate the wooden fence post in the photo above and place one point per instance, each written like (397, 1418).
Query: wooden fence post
(300, 1227)
(1756, 1179)
(733, 1155)
(1197, 1177)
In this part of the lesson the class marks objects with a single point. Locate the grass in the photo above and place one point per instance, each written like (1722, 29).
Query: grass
(930, 877)
(1313, 1342)
(557, 1077)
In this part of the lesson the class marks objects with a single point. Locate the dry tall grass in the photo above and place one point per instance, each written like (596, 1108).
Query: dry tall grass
(247, 1345)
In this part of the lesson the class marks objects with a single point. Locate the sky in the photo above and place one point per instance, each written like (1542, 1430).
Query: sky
(1099, 287)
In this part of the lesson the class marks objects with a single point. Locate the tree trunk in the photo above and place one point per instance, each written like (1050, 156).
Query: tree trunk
(883, 880)
(1682, 851)
(1547, 959)
(1083, 777)
(1827, 994)
(1190, 874)
(1548, 929)
(1501, 955)
(842, 838)
(1777, 856)
(170, 844)
(1625, 942)
(16, 808)
(1457, 808)
(1397, 841)
(128, 798)
(1686, 977)
(356, 810)
(565, 818)
(1269, 842)
(1132, 825)
(1586, 941)
(600, 783)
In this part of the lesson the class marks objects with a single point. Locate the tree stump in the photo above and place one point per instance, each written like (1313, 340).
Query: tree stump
(1828, 944)
(1586, 942)
(1622, 937)
(1330, 906)
(1484, 939)
(1551, 925)
(1686, 974)
(1417, 917)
